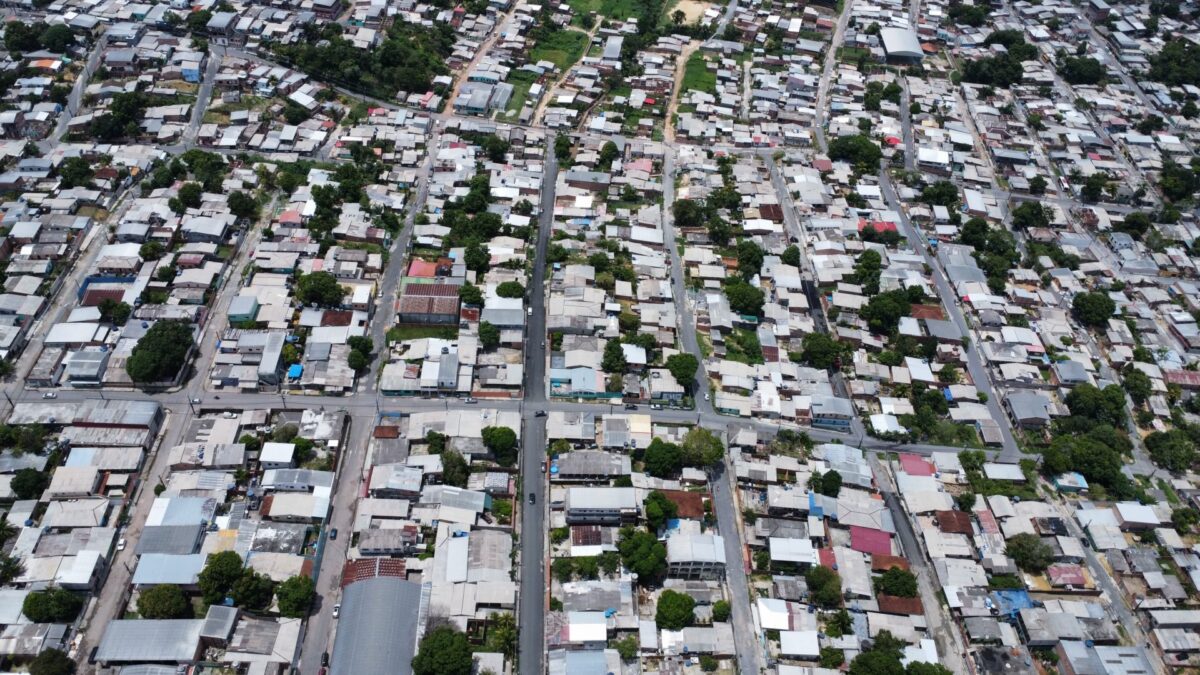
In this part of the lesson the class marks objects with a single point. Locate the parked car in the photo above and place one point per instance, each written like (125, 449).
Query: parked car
(631, 406)
(337, 609)
(333, 533)
(540, 413)
(121, 544)
(543, 467)
(324, 659)
(532, 498)
(50, 394)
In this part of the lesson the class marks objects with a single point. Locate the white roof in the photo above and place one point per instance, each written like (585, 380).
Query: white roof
(587, 627)
(800, 643)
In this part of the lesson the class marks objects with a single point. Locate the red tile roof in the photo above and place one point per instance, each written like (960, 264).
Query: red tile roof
(891, 604)
(955, 522)
(915, 465)
(422, 268)
(870, 540)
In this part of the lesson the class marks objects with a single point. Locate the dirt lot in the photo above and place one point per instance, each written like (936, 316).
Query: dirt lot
(691, 9)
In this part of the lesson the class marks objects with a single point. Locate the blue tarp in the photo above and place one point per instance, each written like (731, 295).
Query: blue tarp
(295, 370)
(1010, 602)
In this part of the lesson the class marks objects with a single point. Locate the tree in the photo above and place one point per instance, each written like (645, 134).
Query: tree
(164, 601)
(659, 509)
(1173, 450)
(687, 213)
(1102, 406)
(662, 459)
(828, 483)
(675, 610)
(702, 448)
(53, 605)
(965, 501)
(1029, 552)
(721, 610)
(1137, 384)
(897, 582)
(115, 312)
(470, 294)
(443, 651)
(832, 657)
(791, 256)
(320, 288)
(677, 17)
(643, 554)
(1185, 518)
(52, 662)
(750, 259)
(824, 586)
(859, 150)
(219, 575)
(29, 483)
(75, 172)
(1084, 70)
(562, 148)
(358, 361)
(502, 443)
(510, 289)
(608, 154)
(1093, 309)
(1037, 185)
(683, 368)
(495, 147)
(1002, 71)
(1029, 215)
(884, 311)
(613, 360)
(151, 250)
(941, 193)
(1134, 224)
(489, 335)
(160, 354)
(243, 205)
(820, 350)
(454, 469)
(477, 258)
(191, 195)
(627, 647)
(744, 298)
(253, 590)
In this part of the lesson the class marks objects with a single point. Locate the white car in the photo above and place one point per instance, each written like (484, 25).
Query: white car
(121, 544)
(50, 394)
(706, 397)
(337, 609)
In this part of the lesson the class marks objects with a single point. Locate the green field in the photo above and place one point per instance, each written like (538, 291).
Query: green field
(697, 75)
(562, 48)
(615, 9)
(521, 80)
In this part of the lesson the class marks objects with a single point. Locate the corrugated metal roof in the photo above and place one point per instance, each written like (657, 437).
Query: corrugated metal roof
(377, 628)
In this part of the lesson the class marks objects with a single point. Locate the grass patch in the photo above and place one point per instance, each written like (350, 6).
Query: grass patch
(521, 81)
(562, 48)
(1169, 492)
(742, 345)
(696, 75)
(616, 9)
(852, 54)
(398, 333)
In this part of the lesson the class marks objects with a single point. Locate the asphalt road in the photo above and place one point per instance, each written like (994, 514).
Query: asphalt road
(729, 522)
(531, 617)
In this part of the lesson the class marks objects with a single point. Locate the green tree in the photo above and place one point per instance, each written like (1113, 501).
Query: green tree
(828, 483)
(791, 256)
(510, 289)
(320, 288)
(477, 258)
(824, 586)
(52, 662)
(1085, 70)
(151, 250)
(659, 509)
(489, 335)
(253, 590)
(358, 361)
(702, 448)
(1029, 552)
(683, 367)
(832, 658)
(627, 647)
(470, 294)
(443, 651)
(53, 605)
(1037, 185)
(1134, 224)
(643, 554)
(965, 501)
(744, 298)
(750, 259)
(75, 172)
(613, 360)
(57, 38)
(884, 311)
(1185, 519)
(161, 352)
(243, 205)
(495, 147)
(1173, 450)
(164, 601)
(721, 610)
(608, 154)
(675, 611)
(29, 483)
(662, 459)
(941, 193)
(897, 582)
(220, 573)
(454, 469)
(295, 596)
(502, 443)
(859, 150)
(116, 312)
(1093, 309)
(562, 148)
(820, 350)
(1137, 384)
(1029, 215)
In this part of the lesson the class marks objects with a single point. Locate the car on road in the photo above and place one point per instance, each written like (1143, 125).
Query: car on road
(121, 544)
(631, 406)
(706, 397)
(337, 609)
(324, 659)
(196, 400)
(532, 498)
(540, 413)
(469, 400)
(50, 394)
(656, 406)
(543, 467)
(333, 533)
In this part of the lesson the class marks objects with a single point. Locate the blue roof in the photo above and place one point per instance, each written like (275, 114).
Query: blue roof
(814, 508)
(1010, 602)
(295, 370)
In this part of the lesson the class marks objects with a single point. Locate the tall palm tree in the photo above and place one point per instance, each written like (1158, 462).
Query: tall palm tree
(10, 568)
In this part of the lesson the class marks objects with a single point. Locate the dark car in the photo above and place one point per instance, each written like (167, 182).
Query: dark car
(532, 498)
(324, 658)
(631, 406)
(333, 533)
(540, 413)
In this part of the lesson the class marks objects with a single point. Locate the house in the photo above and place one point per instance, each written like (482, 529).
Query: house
(601, 505)
(696, 556)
